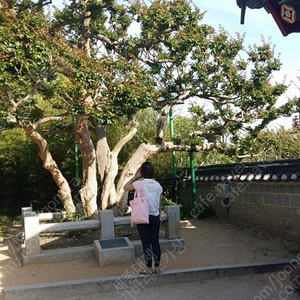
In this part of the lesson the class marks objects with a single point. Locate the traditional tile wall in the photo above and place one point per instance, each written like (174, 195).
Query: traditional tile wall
(275, 205)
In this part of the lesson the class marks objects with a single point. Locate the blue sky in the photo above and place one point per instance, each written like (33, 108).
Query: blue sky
(258, 23)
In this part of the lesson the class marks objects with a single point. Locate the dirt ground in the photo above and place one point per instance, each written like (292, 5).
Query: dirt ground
(208, 242)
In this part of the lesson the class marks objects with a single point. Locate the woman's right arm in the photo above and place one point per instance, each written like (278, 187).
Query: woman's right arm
(129, 185)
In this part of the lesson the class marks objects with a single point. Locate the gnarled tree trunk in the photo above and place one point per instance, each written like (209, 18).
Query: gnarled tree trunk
(108, 196)
(88, 191)
(49, 164)
(102, 151)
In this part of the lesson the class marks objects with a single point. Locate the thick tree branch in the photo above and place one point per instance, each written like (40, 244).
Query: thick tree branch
(94, 12)
(134, 127)
(156, 61)
(183, 96)
(46, 120)
(106, 40)
(161, 123)
(169, 147)
(24, 99)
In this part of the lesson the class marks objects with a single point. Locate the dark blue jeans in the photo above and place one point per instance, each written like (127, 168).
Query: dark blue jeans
(149, 235)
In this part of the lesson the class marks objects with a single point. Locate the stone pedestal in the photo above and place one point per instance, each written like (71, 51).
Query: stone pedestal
(114, 251)
(107, 224)
(173, 223)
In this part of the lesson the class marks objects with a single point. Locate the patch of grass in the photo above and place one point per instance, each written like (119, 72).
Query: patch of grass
(3, 230)
(4, 221)
(7, 222)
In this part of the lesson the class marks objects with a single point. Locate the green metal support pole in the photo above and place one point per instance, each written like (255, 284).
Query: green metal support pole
(193, 178)
(29, 170)
(76, 161)
(174, 165)
(76, 156)
(172, 136)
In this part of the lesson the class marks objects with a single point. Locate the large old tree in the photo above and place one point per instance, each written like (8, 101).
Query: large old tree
(95, 61)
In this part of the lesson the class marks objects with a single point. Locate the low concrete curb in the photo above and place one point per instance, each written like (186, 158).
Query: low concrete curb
(111, 284)
(59, 255)
(84, 252)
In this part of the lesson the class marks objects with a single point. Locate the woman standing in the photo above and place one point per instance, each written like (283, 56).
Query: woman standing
(149, 233)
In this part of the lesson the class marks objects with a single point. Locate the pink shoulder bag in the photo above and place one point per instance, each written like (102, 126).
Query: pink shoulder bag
(139, 206)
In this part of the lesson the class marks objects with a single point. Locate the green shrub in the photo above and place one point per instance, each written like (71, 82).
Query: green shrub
(168, 202)
(4, 220)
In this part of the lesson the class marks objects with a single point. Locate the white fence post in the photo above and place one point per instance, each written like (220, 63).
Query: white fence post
(173, 222)
(23, 211)
(31, 232)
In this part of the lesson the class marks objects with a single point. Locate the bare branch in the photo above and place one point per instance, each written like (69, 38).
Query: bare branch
(52, 132)
(155, 62)
(134, 127)
(161, 123)
(48, 119)
(13, 103)
(186, 94)
(43, 3)
(23, 100)
(169, 147)
(106, 40)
